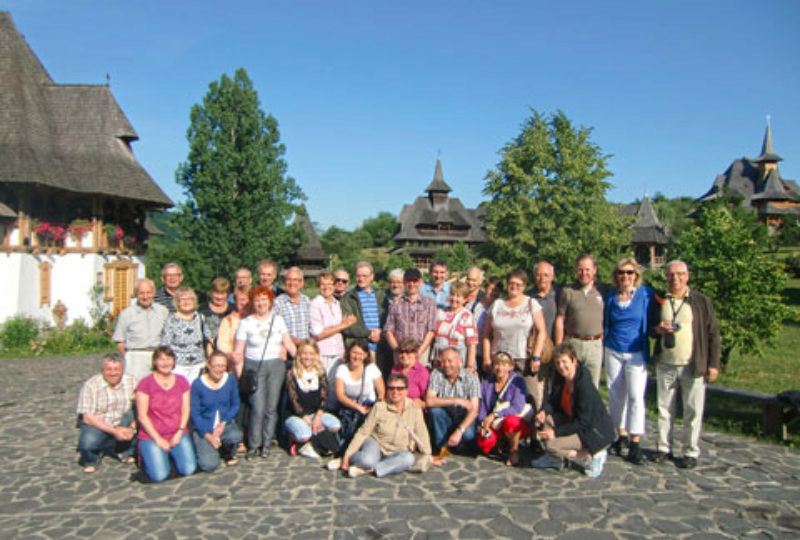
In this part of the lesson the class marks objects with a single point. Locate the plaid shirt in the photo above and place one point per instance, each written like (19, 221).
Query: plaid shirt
(108, 402)
(466, 386)
(296, 316)
(411, 320)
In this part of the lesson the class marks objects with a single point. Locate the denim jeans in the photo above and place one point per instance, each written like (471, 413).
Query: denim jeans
(93, 442)
(444, 421)
(370, 456)
(299, 431)
(155, 461)
(208, 456)
(264, 401)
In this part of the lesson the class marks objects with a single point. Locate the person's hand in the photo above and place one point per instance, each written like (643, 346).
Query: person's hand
(455, 438)
(375, 335)
(487, 422)
(546, 433)
(665, 327)
(163, 444)
(176, 439)
(712, 374)
(213, 440)
(122, 433)
(534, 365)
(363, 409)
(487, 366)
(418, 403)
(316, 425)
(540, 416)
(473, 370)
(345, 463)
(218, 430)
(349, 320)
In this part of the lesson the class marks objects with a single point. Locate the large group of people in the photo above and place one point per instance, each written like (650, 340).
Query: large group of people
(388, 381)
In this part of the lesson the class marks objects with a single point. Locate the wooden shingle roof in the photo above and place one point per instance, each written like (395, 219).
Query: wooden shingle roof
(69, 137)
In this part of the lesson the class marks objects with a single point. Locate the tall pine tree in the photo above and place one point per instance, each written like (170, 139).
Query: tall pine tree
(239, 197)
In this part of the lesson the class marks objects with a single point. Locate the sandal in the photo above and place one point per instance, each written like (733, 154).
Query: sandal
(513, 459)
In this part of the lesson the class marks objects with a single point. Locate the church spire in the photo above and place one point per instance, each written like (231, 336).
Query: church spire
(438, 185)
(768, 154)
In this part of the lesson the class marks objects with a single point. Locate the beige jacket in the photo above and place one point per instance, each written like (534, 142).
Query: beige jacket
(390, 429)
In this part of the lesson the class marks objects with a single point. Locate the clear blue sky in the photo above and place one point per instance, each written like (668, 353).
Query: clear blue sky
(367, 92)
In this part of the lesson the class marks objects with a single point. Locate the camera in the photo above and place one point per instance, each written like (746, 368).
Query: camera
(669, 339)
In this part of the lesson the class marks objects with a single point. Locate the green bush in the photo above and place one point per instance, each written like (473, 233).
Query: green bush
(18, 332)
(793, 265)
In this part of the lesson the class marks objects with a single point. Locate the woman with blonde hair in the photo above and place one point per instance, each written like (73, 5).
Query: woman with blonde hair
(307, 387)
(187, 334)
(626, 352)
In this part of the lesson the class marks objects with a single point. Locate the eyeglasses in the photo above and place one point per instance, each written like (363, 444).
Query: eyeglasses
(341, 280)
(398, 388)
(407, 351)
(626, 272)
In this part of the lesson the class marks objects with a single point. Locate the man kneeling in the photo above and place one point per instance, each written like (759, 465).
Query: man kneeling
(107, 417)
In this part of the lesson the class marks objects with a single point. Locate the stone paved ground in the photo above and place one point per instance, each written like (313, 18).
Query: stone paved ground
(741, 489)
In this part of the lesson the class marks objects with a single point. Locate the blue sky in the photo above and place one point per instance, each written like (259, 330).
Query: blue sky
(367, 93)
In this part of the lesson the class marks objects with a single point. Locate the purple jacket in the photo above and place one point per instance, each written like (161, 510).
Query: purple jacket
(515, 393)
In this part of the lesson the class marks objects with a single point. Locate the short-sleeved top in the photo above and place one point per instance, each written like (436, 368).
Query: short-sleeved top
(254, 332)
(582, 310)
(324, 315)
(295, 316)
(455, 329)
(442, 298)
(352, 387)
(187, 339)
(418, 377)
(411, 319)
(549, 303)
(140, 328)
(466, 385)
(108, 402)
(511, 326)
(164, 406)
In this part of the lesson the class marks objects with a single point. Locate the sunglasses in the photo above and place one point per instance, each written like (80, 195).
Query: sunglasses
(626, 272)
(398, 388)
(341, 280)
(407, 351)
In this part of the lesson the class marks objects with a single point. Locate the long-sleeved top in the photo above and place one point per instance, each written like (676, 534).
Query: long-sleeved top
(625, 328)
(351, 305)
(306, 402)
(389, 429)
(210, 407)
(514, 393)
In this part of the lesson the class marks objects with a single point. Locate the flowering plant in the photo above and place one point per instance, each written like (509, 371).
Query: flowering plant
(78, 228)
(49, 231)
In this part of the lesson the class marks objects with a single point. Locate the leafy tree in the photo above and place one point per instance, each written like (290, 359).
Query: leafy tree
(547, 198)
(458, 259)
(674, 212)
(727, 261)
(380, 229)
(400, 260)
(239, 197)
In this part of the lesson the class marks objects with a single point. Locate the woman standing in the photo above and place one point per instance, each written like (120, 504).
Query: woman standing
(508, 326)
(502, 405)
(626, 353)
(162, 406)
(217, 307)
(215, 402)
(262, 341)
(455, 328)
(186, 333)
(226, 337)
(359, 384)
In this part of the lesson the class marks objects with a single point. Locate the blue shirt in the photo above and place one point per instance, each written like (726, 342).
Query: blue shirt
(626, 327)
(209, 406)
(442, 298)
(369, 312)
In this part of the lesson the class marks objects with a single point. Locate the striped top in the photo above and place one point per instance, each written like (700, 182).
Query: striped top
(369, 312)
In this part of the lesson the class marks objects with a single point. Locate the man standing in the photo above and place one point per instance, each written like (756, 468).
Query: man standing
(438, 288)
(171, 279)
(687, 350)
(293, 306)
(106, 416)
(452, 399)
(341, 281)
(475, 296)
(366, 303)
(545, 293)
(138, 330)
(267, 274)
(243, 278)
(580, 317)
(412, 316)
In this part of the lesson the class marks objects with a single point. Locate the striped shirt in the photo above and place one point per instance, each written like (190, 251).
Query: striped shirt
(411, 319)
(296, 316)
(369, 312)
(466, 385)
(107, 402)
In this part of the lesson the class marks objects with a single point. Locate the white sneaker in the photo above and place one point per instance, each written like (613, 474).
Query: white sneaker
(594, 467)
(334, 464)
(307, 450)
(355, 472)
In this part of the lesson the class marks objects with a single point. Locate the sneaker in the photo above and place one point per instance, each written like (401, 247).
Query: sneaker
(594, 467)
(548, 461)
(307, 450)
(334, 464)
(661, 457)
(687, 462)
(355, 472)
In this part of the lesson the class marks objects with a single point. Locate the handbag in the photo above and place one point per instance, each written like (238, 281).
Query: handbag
(351, 419)
(248, 382)
(547, 350)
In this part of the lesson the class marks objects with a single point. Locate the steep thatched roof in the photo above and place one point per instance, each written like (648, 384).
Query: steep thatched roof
(311, 249)
(70, 137)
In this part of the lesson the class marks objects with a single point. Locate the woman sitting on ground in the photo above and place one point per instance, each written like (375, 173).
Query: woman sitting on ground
(417, 375)
(574, 420)
(162, 407)
(307, 387)
(502, 406)
(393, 431)
(359, 384)
(215, 402)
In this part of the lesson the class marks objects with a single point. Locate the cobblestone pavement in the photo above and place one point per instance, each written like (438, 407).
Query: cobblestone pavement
(740, 489)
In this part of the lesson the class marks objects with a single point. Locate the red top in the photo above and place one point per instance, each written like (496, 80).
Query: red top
(164, 407)
(566, 400)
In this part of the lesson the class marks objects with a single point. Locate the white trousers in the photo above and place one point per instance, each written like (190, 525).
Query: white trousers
(693, 393)
(626, 376)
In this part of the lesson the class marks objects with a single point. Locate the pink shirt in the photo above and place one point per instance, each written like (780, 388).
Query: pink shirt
(324, 315)
(418, 377)
(164, 407)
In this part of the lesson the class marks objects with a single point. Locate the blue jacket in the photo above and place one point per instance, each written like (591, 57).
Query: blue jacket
(206, 402)
(643, 293)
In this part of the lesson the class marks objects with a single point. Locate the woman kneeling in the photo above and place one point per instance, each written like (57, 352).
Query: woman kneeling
(575, 422)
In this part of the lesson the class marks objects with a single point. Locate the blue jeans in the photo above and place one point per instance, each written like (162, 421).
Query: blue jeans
(264, 401)
(93, 442)
(444, 421)
(155, 461)
(208, 456)
(370, 456)
(300, 432)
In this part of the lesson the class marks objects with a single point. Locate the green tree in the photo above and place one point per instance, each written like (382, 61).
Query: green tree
(674, 212)
(724, 250)
(458, 258)
(547, 198)
(239, 197)
(380, 228)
